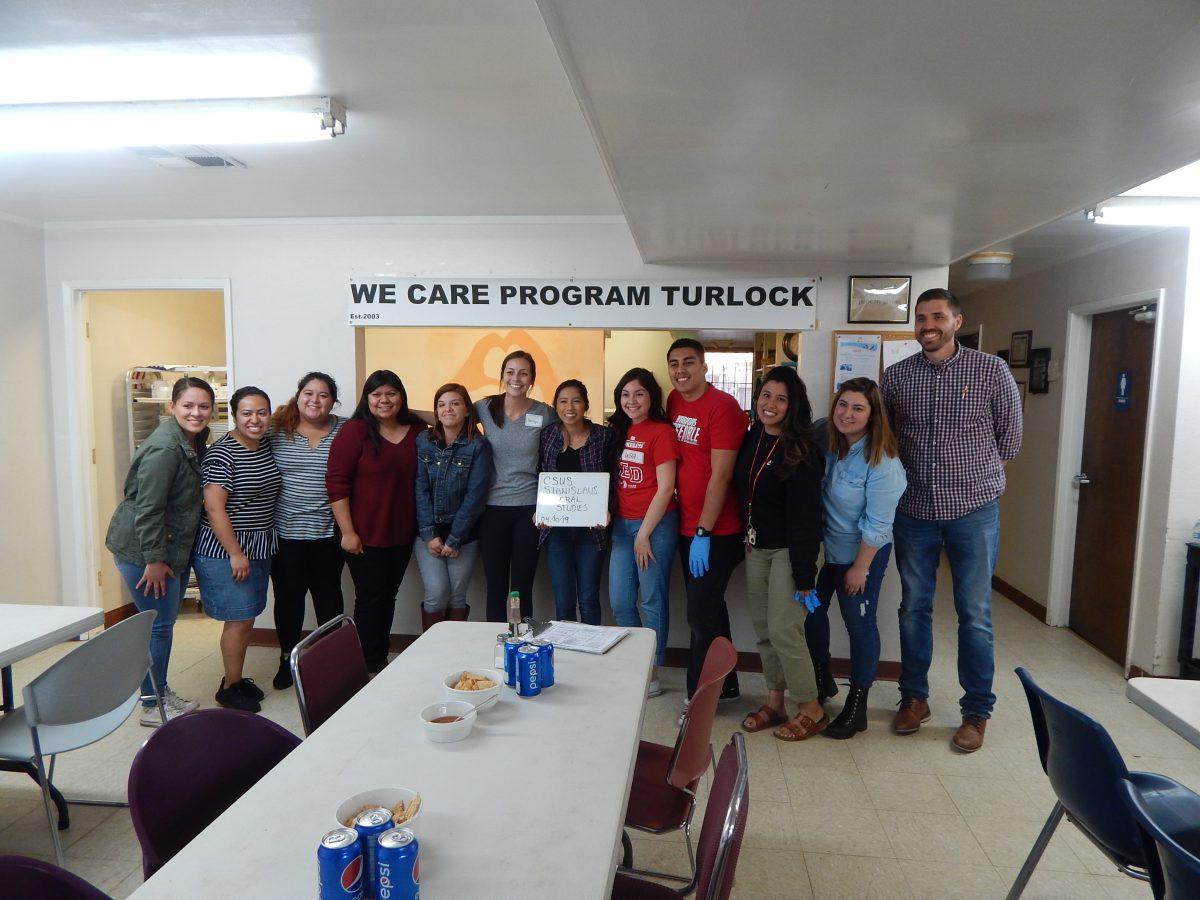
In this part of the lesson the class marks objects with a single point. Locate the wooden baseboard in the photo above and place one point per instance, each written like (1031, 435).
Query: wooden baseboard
(1020, 598)
(677, 657)
(120, 614)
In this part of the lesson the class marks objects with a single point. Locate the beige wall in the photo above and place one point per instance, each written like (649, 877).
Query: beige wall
(625, 350)
(29, 570)
(129, 329)
(427, 358)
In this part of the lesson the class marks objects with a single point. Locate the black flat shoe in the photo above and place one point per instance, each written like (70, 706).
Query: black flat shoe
(233, 698)
(283, 678)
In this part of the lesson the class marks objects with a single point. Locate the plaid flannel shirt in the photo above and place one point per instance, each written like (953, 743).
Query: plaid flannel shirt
(956, 421)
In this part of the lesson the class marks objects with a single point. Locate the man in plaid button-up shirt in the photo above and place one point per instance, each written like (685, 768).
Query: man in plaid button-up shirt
(957, 415)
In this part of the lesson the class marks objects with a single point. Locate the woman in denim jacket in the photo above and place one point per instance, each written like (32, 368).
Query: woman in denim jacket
(864, 480)
(454, 470)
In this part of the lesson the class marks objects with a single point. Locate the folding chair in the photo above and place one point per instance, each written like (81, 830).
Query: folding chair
(328, 669)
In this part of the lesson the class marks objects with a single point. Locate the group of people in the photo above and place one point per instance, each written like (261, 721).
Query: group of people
(288, 498)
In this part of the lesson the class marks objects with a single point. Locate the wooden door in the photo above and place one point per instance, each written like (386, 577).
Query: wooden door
(1114, 435)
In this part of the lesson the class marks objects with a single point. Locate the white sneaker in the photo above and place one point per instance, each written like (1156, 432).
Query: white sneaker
(683, 712)
(655, 689)
(151, 719)
(174, 702)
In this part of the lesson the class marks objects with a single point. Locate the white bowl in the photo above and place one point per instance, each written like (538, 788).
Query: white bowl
(386, 797)
(448, 732)
(475, 698)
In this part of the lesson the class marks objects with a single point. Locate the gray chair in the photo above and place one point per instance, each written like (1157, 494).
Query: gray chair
(82, 698)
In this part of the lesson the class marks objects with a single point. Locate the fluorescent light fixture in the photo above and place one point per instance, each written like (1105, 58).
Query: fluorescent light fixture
(1184, 182)
(1161, 212)
(96, 126)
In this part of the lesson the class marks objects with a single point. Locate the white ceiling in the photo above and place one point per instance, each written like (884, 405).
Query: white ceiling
(774, 130)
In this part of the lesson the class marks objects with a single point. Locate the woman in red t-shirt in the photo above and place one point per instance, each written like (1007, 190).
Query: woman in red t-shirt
(646, 526)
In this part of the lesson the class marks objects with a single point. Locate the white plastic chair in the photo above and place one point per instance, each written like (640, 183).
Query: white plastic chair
(83, 697)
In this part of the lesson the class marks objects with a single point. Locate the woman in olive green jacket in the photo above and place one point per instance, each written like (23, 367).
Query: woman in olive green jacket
(152, 530)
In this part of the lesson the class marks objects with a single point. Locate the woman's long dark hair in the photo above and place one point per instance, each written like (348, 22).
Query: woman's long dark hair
(620, 421)
(287, 417)
(496, 401)
(362, 412)
(795, 437)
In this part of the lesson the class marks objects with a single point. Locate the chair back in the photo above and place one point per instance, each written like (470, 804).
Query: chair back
(724, 822)
(1085, 770)
(328, 668)
(95, 678)
(192, 769)
(693, 748)
(1174, 869)
(21, 876)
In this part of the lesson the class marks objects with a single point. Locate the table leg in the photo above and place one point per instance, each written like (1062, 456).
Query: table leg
(6, 705)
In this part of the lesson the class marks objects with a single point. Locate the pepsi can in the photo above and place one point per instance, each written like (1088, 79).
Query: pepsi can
(529, 671)
(397, 870)
(511, 645)
(340, 865)
(546, 649)
(370, 824)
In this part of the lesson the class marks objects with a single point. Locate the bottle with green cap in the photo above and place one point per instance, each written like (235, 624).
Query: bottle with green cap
(514, 612)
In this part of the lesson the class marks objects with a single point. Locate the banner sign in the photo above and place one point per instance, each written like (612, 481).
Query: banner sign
(752, 304)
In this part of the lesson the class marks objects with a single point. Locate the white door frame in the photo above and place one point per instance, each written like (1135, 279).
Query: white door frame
(70, 369)
(1070, 442)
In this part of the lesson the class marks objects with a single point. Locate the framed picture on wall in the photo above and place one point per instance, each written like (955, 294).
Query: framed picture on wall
(1018, 348)
(1039, 370)
(879, 299)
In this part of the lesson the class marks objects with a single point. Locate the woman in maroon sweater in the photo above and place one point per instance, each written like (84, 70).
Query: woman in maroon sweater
(371, 480)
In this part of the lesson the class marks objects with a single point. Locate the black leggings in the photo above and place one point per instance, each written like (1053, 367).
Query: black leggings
(508, 543)
(377, 573)
(707, 613)
(300, 567)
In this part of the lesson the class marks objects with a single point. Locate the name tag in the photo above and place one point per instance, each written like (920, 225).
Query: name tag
(633, 456)
(533, 420)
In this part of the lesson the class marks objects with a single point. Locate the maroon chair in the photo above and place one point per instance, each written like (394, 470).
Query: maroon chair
(194, 768)
(21, 876)
(720, 835)
(663, 797)
(328, 669)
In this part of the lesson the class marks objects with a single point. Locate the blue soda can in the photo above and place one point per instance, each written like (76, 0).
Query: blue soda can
(340, 865)
(546, 649)
(529, 671)
(370, 824)
(511, 646)
(397, 870)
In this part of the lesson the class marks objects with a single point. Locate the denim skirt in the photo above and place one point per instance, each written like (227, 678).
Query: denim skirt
(227, 600)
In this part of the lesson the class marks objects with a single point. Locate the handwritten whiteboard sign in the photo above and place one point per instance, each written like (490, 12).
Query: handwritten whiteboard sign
(572, 499)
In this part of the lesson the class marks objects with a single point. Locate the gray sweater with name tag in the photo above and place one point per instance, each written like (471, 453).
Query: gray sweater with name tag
(515, 453)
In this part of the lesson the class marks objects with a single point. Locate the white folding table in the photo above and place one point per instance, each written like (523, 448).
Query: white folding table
(26, 629)
(1173, 701)
(531, 804)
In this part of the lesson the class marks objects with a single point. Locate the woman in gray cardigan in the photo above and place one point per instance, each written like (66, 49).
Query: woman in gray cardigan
(153, 528)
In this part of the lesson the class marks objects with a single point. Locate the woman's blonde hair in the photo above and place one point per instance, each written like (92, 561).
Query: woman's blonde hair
(881, 440)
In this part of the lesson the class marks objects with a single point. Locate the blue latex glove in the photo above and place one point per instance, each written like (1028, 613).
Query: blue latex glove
(810, 600)
(698, 556)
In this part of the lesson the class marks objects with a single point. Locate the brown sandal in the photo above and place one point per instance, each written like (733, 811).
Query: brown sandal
(800, 728)
(766, 717)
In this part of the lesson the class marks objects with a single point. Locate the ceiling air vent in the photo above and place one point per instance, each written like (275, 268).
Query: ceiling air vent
(188, 158)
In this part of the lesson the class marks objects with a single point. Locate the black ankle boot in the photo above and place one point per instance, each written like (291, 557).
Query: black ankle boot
(853, 717)
(826, 686)
(283, 678)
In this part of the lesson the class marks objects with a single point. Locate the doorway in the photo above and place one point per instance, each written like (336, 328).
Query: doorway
(1109, 479)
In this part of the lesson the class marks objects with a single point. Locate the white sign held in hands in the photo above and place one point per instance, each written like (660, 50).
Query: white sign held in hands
(572, 499)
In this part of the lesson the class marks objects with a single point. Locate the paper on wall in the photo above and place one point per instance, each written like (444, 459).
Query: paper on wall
(857, 356)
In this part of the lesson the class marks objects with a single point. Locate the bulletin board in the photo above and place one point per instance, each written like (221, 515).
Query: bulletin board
(862, 352)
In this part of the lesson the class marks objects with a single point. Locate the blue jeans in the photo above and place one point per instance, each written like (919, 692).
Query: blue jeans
(575, 565)
(445, 578)
(858, 612)
(970, 543)
(163, 629)
(626, 581)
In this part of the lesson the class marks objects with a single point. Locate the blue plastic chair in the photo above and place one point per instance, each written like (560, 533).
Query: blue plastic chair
(1086, 770)
(1169, 816)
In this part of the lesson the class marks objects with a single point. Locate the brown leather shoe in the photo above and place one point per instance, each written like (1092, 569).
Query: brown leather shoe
(913, 713)
(969, 736)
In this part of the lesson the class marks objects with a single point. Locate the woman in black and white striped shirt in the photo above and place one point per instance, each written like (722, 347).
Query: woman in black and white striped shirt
(309, 558)
(236, 540)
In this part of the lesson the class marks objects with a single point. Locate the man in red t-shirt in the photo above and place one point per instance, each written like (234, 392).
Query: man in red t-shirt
(709, 426)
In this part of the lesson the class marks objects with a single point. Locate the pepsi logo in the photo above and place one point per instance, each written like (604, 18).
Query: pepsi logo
(352, 875)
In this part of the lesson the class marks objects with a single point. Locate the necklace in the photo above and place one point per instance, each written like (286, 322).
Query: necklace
(751, 534)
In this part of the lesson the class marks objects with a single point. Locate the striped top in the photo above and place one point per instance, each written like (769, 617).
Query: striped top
(252, 481)
(302, 512)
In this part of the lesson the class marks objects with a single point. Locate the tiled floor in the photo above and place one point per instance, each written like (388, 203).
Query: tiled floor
(875, 816)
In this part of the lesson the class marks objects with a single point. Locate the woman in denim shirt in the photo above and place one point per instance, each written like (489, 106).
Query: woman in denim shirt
(454, 469)
(864, 480)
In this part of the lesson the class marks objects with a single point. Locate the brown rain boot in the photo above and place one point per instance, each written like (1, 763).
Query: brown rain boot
(429, 619)
(458, 613)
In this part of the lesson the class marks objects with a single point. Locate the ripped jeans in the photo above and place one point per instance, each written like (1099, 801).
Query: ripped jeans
(858, 612)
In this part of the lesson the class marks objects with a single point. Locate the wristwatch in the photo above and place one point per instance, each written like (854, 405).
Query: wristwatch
(701, 531)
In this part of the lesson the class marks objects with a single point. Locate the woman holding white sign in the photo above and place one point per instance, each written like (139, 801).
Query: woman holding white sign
(508, 540)
(576, 554)
(646, 528)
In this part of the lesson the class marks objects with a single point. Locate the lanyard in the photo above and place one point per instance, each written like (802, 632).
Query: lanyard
(754, 476)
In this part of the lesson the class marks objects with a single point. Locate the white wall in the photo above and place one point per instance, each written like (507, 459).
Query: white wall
(289, 288)
(29, 561)
(1041, 302)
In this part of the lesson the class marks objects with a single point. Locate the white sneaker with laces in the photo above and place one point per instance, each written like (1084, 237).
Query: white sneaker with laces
(174, 702)
(151, 719)
(655, 689)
